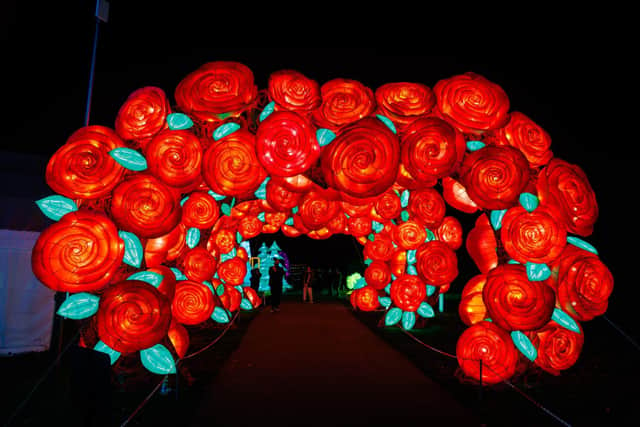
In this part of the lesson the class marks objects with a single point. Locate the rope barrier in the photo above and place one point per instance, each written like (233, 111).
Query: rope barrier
(144, 402)
(507, 382)
(212, 342)
(157, 387)
(627, 337)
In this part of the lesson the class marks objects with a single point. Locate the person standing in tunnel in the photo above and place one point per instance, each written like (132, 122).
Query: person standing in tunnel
(307, 290)
(276, 275)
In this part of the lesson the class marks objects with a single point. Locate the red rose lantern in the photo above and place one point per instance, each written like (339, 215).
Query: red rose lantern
(83, 168)
(143, 115)
(145, 206)
(514, 302)
(487, 343)
(217, 90)
(132, 316)
(193, 303)
(292, 91)
(407, 292)
(472, 103)
(79, 253)
(175, 158)
(363, 160)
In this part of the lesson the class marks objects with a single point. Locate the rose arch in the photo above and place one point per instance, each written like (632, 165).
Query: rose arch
(151, 213)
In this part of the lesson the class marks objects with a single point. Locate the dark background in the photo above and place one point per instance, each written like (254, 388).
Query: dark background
(580, 87)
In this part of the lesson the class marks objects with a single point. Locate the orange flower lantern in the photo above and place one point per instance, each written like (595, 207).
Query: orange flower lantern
(143, 115)
(175, 158)
(487, 343)
(132, 316)
(80, 253)
(83, 168)
(193, 303)
(514, 302)
(145, 206)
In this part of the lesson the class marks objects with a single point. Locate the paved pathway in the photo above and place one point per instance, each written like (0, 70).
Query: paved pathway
(312, 365)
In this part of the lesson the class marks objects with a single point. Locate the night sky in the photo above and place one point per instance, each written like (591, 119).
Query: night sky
(584, 94)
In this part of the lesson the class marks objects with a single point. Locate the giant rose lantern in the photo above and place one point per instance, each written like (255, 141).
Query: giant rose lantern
(150, 214)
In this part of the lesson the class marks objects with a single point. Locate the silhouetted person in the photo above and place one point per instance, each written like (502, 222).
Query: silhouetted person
(307, 290)
(255, 278)
(276, 275)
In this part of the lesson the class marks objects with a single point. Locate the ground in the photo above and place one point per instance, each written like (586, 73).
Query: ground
(598, 390)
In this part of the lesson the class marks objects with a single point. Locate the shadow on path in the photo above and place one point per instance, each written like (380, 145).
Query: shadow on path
(315, 364)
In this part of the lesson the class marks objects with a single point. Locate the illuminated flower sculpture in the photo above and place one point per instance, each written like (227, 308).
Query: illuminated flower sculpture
(151, 216)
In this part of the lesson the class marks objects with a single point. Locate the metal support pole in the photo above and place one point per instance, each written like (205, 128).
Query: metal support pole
(92, 69)
(480, 395)
(101, 14)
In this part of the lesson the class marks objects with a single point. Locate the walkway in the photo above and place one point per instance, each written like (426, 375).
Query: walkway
(312, 365)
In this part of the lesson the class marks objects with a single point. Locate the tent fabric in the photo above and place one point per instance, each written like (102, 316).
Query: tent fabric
(26, 306)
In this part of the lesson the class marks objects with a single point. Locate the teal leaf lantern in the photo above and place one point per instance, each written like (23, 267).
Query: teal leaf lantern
(158, 360)
(179, 121)
(55, 207)
(376, 226)
(193, 237)
(129, 158)
(475, 145)
(393, 316)
(289, 222)
(411, 269)
(404, 199)
(430, 290)
(523, 344)
(384, 301)
(411, 256)
(79, 306)
(132, 249)
(575, 241)
(496, 218)
(245, 304)
(408, 320)
(529, 201)
(268, 109)
(360, 283)
(150, 277)
(325, 136)
(564, 320)
(388, 123)
(179, 274)
(537, 272)
(404, 215)
(216, 196)
(209, 285)
(226, 209)
(103, 348)
(261, 192)
(430, 235)
(224, 130)
(425, 310)
(220, 315)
